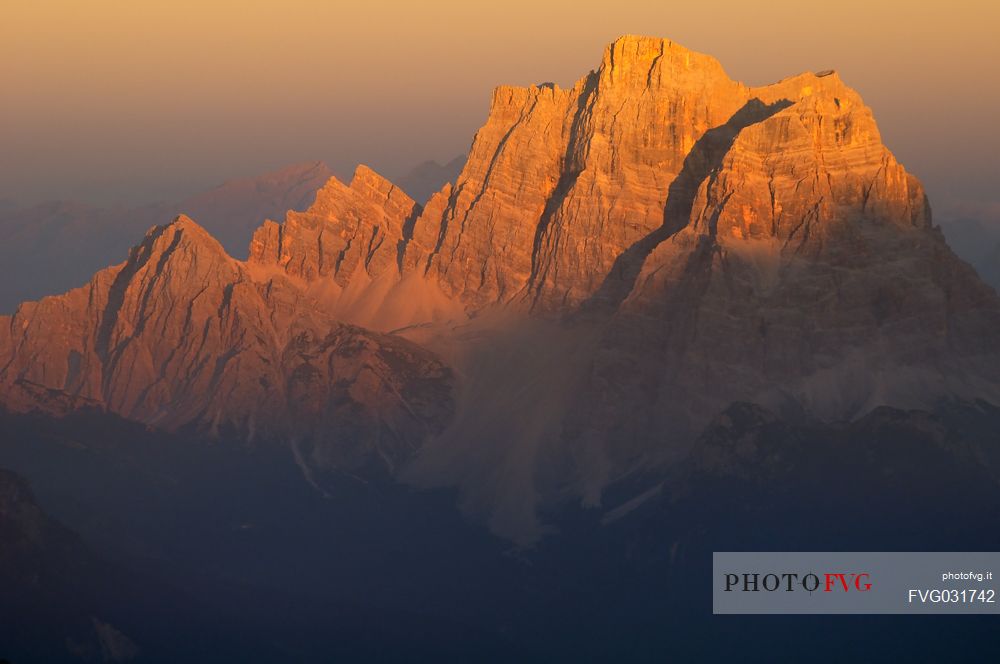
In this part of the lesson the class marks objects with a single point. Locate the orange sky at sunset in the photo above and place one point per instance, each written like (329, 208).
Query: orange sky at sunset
(124, 101)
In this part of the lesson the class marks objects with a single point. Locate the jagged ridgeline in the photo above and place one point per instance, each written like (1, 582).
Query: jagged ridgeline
(616, 263)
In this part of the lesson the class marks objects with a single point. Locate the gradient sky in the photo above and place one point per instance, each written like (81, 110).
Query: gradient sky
(125, 101)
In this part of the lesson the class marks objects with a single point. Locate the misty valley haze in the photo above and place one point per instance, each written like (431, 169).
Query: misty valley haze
(508, 406)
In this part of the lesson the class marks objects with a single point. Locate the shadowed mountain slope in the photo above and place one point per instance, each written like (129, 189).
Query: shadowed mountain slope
(616, 263)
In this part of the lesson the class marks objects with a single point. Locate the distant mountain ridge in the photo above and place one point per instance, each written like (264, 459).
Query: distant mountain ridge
(50, 247)
(427, 177)
(615, 265)
(235, 208)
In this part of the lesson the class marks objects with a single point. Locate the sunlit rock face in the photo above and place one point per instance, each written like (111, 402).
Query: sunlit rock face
(615, 264)
(797, 268)
(719, 243)
(181, 335)
(347, 228)
(559, 182)
(347, 252)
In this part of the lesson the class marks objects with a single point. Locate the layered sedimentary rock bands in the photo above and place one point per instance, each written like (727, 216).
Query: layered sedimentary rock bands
(361, 226)
(565, 192)
(797, 268)
(615, 264)
(560, 184)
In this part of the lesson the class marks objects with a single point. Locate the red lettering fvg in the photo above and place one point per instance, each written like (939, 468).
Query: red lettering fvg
(847, 582)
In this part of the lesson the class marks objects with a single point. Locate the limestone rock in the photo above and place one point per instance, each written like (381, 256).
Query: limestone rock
(361, 226)
(616, 263)
(182, 335)
(710, 243)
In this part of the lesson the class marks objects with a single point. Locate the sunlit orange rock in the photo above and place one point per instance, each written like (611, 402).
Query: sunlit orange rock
(615, 264)
(183, 336)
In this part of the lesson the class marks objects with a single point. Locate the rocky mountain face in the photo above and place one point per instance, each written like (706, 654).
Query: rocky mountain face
(615, 264)
(182, 335)
(349, 248)
(362, 227)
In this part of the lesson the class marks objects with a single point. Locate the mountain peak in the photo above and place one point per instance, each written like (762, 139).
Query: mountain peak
(182, 230)
(698, 241)
(304, 170)
(645, 60)
(636, 48)
(376, 186)
(365, 184)
(362, 172)
(348, 228)
(185, 223)
(235, 208)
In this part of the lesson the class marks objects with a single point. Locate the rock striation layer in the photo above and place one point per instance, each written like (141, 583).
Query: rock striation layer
(616, 263)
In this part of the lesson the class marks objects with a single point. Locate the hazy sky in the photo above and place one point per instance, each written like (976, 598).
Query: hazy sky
(130, 101)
